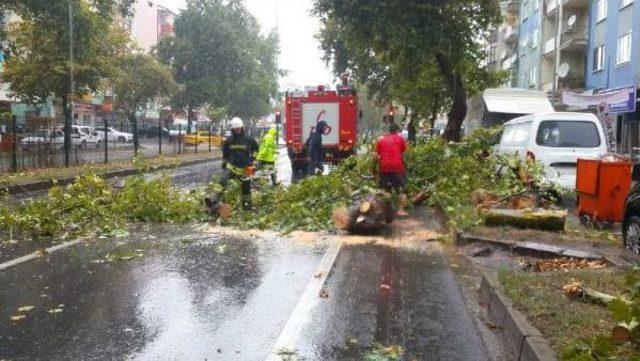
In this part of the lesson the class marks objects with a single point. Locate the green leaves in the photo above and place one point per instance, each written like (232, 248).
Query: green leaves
(141, 79)
(391, 47)
(219, 58)
(92, 206)
(39, 65)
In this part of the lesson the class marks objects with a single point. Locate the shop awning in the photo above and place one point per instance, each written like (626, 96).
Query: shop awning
(516, 101)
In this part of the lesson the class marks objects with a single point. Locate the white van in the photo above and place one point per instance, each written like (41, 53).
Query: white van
(557, 140)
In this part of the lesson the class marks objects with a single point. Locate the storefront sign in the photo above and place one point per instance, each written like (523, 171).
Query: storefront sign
(616, 99)
(628, 105)
(608, 124)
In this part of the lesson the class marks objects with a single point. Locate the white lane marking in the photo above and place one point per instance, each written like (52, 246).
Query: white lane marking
(38, 254)
(300, 316)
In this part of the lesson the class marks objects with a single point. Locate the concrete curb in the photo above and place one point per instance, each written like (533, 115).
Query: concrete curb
(46, 184)
(538, 249)
(524, 340)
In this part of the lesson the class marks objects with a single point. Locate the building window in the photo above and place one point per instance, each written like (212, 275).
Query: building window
(598, 58)
(525, 10)
(534, 38)
(533, 76)
(625, 3)
(624, 49)
(601, 10)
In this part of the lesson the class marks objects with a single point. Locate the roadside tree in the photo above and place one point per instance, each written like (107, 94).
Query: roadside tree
(220, 58)
(43, 45)
(420, 53)
(141, 80)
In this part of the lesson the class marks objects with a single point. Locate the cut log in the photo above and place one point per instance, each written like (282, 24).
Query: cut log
(577, 291)
(216, 207)
(545, 220)
(225, 210)
(420, 197)
(341, 218)
(620, 334)
(481, 196)
(523, 201)
(368, 215)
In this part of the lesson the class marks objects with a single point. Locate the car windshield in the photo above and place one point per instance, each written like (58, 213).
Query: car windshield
(568, 134)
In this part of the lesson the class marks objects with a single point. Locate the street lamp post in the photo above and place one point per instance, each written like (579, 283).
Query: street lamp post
(69, 112)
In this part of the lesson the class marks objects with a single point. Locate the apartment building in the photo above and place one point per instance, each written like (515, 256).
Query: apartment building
(502, 48)
(565, 31)
(613, 61)
(150, 23)
(529, 43)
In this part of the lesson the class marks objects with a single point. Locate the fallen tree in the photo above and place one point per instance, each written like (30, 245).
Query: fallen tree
(368, 215)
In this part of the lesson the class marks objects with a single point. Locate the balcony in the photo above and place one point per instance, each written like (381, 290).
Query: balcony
(511, 6)
(567, 5)
(549, 47)
(510, 63)
(574, 39)
(510, 34)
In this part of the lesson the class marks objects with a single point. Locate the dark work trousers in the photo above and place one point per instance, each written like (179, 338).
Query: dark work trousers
(315, 161)
(246, 186)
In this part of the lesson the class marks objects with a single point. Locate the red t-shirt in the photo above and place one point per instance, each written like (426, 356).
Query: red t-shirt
(390, 149)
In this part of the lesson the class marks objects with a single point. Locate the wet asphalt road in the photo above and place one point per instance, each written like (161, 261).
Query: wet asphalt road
(391, 297)
(169, 293)
(187, 297)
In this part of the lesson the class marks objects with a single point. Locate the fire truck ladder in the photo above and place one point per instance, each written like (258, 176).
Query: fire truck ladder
(296, 129)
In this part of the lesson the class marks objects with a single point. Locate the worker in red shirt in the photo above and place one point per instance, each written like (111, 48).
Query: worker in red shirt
(392, 173)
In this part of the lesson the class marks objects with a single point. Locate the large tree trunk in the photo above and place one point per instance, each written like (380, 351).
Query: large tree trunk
(411, 126)
(190, 116)
(455, 84)
(368, 215)
(133, 121)
(68, 114)
(434, 112)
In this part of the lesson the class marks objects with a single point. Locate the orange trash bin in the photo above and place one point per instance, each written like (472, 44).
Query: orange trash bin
(602, 186)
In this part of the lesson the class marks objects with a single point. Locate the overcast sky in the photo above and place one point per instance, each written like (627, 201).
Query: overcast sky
(299, 49)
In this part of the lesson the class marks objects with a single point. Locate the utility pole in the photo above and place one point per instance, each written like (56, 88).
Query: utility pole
(556, 75)
(277, 71)
(69, 112)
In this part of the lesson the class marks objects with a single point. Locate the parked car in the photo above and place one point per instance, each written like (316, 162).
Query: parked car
(114, 135)
(202, 137)
(49, 138)
(87, 136)
(152, 132)
(557, 140)
(631, 223)
(179, 128)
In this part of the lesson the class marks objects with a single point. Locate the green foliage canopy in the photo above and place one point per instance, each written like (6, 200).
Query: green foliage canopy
(220, 58)
(141, 80)
(414, 51)
(40, 65)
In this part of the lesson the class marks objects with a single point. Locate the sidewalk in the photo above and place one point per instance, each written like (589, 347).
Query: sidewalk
(42, 179)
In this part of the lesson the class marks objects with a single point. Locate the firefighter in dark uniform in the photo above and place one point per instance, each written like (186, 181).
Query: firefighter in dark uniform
(238, 153)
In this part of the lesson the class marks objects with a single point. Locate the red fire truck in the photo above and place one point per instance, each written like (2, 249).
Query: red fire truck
(304, 109)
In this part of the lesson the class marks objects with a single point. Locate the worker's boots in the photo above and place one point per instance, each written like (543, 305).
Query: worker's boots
(246, 203)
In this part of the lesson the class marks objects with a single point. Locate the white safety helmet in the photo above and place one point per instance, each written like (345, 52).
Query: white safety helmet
(236, 123)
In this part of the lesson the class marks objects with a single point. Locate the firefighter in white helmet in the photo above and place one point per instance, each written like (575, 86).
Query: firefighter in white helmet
(238, 153)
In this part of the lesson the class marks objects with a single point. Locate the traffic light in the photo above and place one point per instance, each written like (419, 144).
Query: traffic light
(391, 114)
(278, 116)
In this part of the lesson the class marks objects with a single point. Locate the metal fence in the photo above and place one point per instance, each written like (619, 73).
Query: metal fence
(34, 143)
